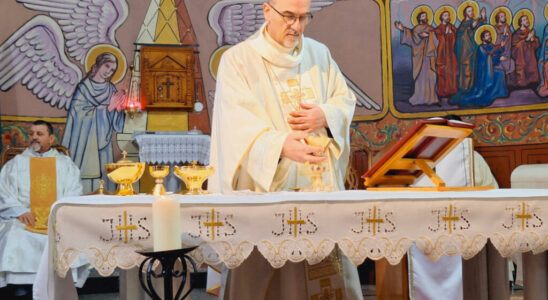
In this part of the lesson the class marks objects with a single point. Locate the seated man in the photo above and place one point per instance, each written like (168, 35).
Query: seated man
(20, 249)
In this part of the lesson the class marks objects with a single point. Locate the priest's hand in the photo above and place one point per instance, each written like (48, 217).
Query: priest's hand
(27, 219)
(296, 150)
(308, 119)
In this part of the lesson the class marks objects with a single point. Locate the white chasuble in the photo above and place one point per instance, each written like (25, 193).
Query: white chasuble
(20, 249)
(259, 84)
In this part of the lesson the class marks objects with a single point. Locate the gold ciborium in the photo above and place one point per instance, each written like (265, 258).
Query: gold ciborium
(125, 172)
(316, 170)
(158, 173)
(194, 176)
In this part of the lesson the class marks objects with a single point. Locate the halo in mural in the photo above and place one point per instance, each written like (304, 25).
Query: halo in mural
(92, 54)
(498, 10)
(420, 9)
(546, 11)
(524, 12)
(441, 10)
(465, 4)
(482, 28)
(215, 59)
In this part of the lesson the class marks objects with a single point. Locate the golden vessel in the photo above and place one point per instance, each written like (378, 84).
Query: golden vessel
(125, 172)
(315, 170)
(194, 176)
(158, 173)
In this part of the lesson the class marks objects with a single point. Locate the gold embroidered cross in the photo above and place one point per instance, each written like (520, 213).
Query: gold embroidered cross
(295, 222)
(126, 227)
(449, 219)
(213, 224)
(374, 220)
(523, 216)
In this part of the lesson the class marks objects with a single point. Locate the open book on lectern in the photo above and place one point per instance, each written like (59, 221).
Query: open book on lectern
(417, 153)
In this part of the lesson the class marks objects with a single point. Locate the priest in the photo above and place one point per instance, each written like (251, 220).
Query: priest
(40, 174)
(274, 90)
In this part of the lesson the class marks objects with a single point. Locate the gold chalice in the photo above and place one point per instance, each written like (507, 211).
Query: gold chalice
(158, 172)
(125, 172)
(194, 176)
(316, 170)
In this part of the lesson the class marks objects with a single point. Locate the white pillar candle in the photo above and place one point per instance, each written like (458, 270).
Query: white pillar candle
(166, 224)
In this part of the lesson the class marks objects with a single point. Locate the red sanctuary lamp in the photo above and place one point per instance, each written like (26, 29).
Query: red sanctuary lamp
(133, 102)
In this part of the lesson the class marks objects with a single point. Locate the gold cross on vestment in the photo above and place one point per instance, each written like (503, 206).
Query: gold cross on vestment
(449, 219)
(523, 216)
(213, 224)
(374, 220)
(295, 222)
(126, 227)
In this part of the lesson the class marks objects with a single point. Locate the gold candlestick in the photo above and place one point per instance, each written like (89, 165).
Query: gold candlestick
(158, 172)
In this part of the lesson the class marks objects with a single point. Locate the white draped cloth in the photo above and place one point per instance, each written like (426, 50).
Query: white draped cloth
(20, 249)
(166, 148)
(259, 84)
(442, 279)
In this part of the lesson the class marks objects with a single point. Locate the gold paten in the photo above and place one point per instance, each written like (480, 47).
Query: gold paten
(158, 173)
(125, 172)
(194, 176)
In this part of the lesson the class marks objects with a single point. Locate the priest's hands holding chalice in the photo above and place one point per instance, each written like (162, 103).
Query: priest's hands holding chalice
(307, 119)
(27, 218)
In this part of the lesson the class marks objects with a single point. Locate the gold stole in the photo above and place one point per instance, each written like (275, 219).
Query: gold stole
(326, 279)
(43, 191)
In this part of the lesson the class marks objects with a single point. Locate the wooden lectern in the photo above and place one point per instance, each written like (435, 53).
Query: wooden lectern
(417, 153)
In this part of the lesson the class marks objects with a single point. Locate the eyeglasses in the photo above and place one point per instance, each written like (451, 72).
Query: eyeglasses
(291, 19)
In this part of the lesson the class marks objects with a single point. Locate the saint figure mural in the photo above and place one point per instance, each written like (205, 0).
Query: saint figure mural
(94, 115)
(465, 46)
(489, 82)
(423, 43)
(524, 47)
(446, 60)
(543, 59)
(499, 19)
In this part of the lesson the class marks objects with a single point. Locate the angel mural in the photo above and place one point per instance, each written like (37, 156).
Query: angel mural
(235, 20)
(35, 56)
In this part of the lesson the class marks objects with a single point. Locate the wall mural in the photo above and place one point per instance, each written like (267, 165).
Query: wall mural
(35, 56)
(454, 42)
(467, 57)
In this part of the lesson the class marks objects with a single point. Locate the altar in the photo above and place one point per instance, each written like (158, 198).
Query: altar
(292, 227)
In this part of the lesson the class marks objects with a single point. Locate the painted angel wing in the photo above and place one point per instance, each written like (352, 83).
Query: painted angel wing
(35, 55)
(362, 99)
(235, 20)
(85, 23)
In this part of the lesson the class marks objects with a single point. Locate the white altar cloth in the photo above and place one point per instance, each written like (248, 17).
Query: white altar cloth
(290, 226)
(173, 148)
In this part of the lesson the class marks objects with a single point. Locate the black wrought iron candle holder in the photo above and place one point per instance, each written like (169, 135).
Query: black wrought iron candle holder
(167, 260)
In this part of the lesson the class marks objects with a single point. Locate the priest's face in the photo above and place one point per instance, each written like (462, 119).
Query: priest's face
(40, 138)
(287, 20)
